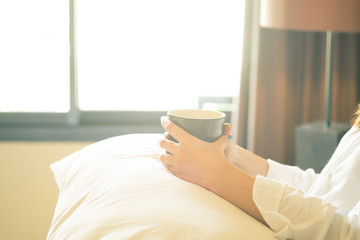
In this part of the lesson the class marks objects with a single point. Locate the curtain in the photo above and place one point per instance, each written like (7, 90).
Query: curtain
(282, 85)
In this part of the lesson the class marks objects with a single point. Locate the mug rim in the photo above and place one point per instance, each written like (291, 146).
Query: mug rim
(175, 113)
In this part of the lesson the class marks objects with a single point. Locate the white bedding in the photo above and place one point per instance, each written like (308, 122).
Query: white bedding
(118, 189)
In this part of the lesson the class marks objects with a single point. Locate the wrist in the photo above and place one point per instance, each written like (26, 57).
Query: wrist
(216, 181)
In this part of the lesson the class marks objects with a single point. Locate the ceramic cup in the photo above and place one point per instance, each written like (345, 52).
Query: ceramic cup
(204, 124)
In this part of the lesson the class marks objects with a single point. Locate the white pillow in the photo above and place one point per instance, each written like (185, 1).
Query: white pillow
(118, 189)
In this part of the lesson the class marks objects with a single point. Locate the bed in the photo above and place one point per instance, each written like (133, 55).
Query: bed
(118, 189)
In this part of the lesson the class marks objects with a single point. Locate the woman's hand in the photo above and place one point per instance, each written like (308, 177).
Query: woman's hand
(204, 164)
(192, 159)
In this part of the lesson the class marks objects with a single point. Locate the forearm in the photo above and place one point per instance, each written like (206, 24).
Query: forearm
(236, 186)
(247, 161)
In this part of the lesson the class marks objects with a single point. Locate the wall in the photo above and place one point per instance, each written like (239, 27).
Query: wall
(28, 189)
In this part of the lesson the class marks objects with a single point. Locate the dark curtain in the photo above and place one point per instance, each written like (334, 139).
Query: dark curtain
(282, 84)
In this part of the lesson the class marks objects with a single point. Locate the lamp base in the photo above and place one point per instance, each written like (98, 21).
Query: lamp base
(315, 144)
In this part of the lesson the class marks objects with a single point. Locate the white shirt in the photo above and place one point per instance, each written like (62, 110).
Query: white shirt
(299, 204)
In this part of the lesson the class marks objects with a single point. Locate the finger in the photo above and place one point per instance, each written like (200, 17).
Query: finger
(168, 145)
(227, 129)
(167, 160)
(170, 168)
(167, 135)
(177, 132)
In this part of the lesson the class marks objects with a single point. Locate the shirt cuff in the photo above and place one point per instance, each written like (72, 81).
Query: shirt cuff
(267, 195)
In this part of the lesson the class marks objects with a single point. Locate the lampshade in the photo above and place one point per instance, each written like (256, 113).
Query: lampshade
(311, 15)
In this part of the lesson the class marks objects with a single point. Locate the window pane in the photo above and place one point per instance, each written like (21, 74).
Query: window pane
(34, 55)
(158, 54)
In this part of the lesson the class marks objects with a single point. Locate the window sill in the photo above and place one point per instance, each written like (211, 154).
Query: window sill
(93, 126)
(73, 133)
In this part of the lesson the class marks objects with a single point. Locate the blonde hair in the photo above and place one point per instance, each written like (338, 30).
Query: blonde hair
(356, 117)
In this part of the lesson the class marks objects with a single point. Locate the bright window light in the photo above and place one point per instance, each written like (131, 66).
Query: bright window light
(34, 56)
(130, 55)
(158, 54)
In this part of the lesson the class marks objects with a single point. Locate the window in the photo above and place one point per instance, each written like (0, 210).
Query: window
(84, 62)
(34, 56)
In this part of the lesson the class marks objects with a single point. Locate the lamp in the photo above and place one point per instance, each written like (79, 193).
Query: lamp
(314, 15)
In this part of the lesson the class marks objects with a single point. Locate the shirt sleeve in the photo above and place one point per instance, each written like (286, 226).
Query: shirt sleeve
(294, 215)
(292, 175)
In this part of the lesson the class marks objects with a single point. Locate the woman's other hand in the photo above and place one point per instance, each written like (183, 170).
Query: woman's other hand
(190, 158)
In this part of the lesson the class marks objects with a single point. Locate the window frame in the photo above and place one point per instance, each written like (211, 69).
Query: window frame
(77, 125)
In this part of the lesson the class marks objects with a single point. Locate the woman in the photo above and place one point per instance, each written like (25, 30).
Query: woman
(296, 204)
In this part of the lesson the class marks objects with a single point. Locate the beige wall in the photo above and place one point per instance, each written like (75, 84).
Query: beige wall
(28, 189)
